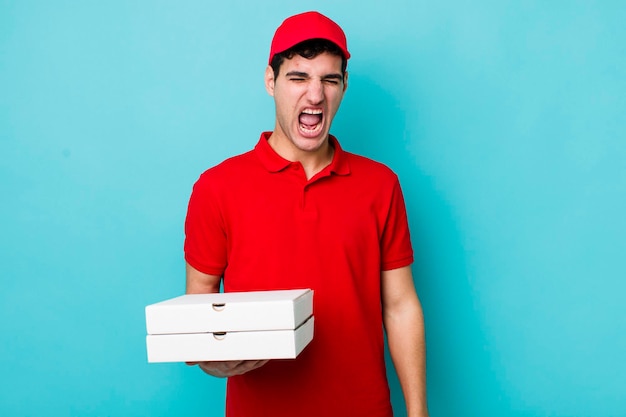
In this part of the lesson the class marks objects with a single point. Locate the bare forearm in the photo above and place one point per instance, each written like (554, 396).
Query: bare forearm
(404, 323)
(405, 334)
(201, 283)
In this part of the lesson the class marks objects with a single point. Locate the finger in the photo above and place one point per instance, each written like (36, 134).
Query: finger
(220, 369)
(247, 366)
(213, 369)
(223, 369)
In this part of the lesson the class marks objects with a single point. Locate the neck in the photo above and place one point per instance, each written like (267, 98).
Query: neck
(312, 161)
(314, 165)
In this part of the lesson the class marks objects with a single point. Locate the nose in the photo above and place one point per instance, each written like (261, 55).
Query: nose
(315, 91)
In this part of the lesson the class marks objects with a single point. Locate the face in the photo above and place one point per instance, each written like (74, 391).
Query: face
(307, 94)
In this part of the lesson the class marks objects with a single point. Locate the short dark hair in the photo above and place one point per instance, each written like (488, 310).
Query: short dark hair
(308, 49)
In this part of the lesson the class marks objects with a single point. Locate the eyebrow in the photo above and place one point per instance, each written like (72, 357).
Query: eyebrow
(299, 74)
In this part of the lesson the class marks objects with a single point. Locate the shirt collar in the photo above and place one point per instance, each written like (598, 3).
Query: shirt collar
(276, 163)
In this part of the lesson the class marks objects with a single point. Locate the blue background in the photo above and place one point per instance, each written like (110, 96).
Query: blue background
(503, 119)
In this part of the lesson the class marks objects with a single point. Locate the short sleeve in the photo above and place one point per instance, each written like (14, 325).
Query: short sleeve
(396, 248)
(205, 236)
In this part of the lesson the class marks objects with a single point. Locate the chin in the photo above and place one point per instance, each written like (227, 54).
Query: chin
(311, 143)
(309, 147)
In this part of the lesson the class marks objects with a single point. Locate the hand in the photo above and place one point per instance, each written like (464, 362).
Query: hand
(223, 369)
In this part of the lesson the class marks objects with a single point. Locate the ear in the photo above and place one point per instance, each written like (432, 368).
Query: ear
(269, 80)
(345, 81)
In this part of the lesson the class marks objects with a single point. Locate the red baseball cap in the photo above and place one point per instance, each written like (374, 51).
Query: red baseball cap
(305, 26)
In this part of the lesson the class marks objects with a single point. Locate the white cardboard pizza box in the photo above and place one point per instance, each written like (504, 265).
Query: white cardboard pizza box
(223, 346)
(230, 312)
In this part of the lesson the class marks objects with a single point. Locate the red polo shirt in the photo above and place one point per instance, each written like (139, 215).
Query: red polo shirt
(257, 220)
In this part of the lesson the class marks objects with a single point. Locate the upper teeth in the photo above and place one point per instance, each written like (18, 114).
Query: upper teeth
(311, 111)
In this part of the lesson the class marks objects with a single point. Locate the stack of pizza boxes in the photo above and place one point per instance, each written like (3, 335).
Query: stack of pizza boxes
(230, 326)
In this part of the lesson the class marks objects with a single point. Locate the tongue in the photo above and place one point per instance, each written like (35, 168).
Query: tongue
(310, 119)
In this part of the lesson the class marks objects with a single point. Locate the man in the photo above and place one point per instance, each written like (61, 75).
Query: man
(299, 212)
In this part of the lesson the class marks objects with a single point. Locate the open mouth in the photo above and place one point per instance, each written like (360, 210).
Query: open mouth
(311, 120)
